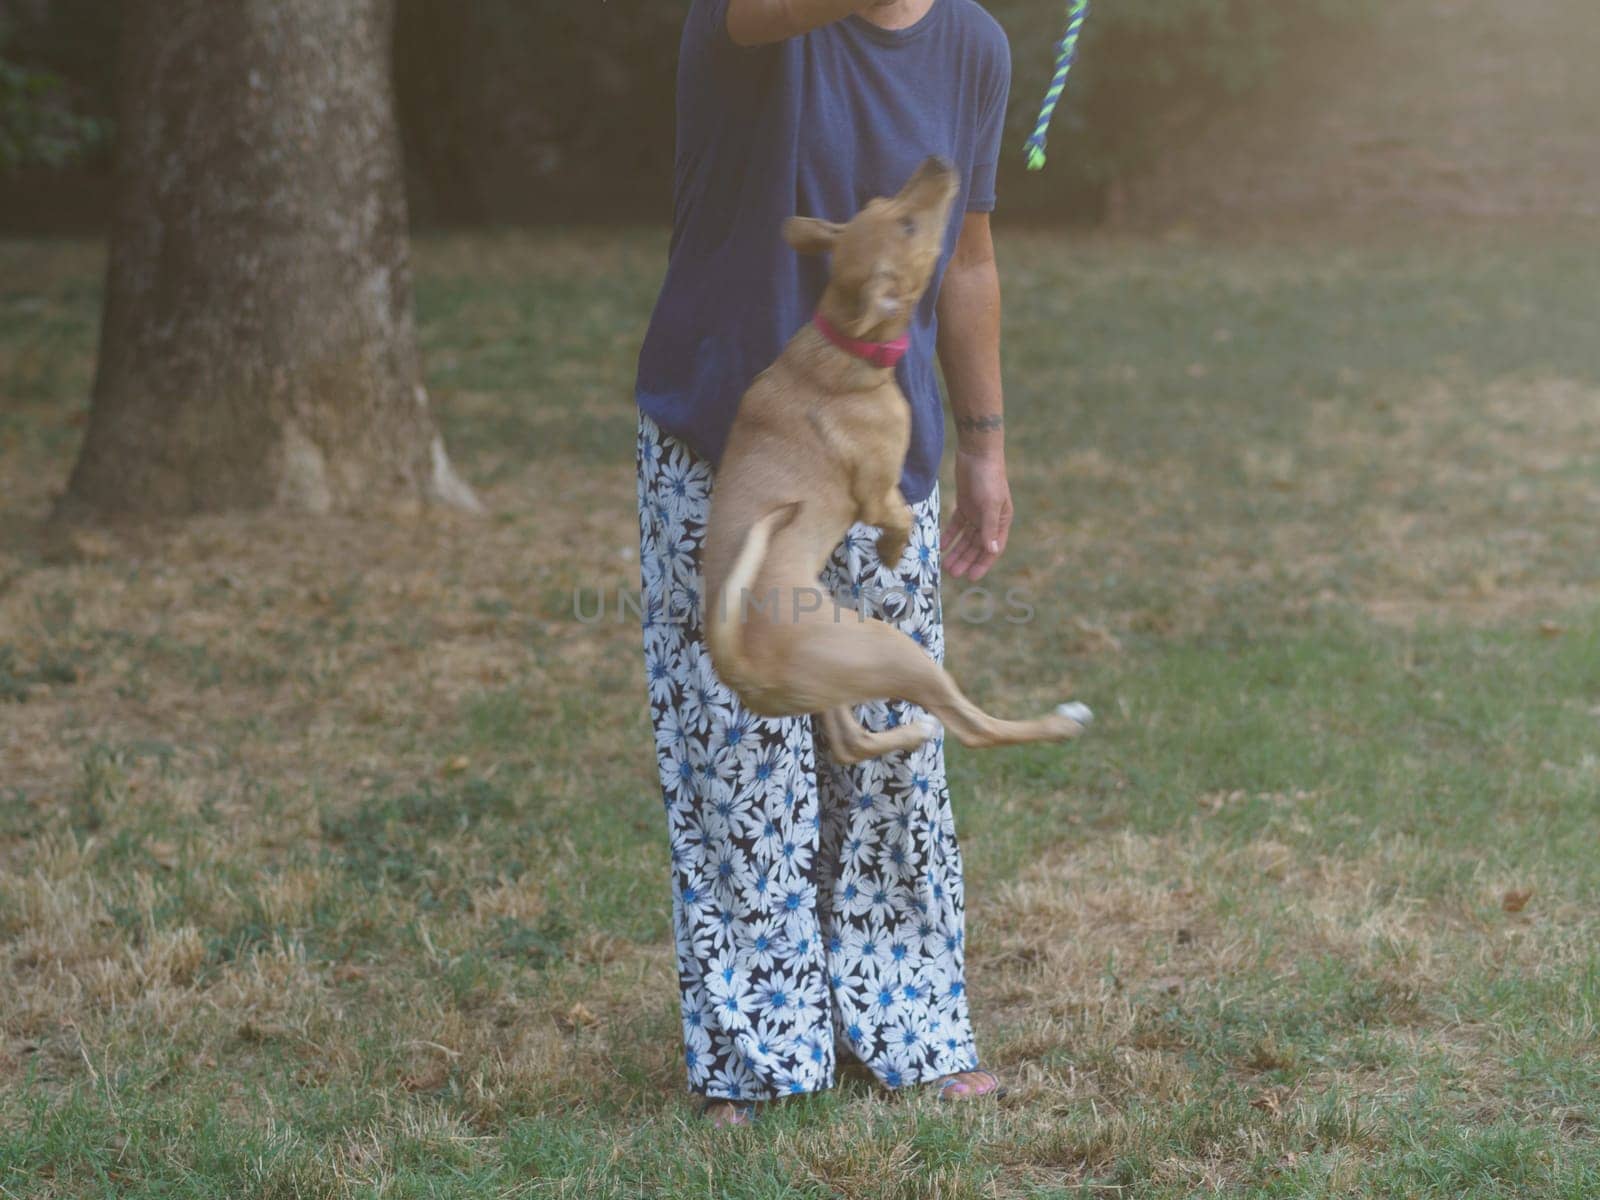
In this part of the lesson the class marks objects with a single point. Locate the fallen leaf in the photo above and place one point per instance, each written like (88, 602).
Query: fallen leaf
(429, 1077)
(457, 765)
(1094, 639)
(165, 854)
(251, 1031)
(1515, 901)
(1022, 954)
(1270, 1101)
(93, 546)
(577, 1017)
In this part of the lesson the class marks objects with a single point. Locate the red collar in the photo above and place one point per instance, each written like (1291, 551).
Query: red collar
(879, 354)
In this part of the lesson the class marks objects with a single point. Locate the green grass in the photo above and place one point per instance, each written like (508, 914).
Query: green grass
(331, 858)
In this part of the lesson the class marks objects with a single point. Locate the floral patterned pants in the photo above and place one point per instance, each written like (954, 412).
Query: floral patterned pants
(813, 906)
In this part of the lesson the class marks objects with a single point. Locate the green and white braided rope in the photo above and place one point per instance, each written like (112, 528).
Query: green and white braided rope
(1066, 55)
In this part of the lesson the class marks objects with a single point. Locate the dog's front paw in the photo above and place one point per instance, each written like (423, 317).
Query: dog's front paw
(891, 546)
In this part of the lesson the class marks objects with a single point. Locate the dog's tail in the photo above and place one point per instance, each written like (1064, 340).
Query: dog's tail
(726, 612)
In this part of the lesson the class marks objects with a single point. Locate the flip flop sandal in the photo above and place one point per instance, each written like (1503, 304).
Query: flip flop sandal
(948, 1089)
(744, 1111)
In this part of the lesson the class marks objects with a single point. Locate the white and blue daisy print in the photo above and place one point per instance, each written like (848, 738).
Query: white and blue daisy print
(814, 906)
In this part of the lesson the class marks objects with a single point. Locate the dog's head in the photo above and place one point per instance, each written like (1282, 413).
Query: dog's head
(884, 257)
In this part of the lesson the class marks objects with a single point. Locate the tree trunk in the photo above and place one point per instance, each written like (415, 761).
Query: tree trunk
(258, 347)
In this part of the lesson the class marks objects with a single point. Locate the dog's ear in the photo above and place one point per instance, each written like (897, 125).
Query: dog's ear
(811, 236)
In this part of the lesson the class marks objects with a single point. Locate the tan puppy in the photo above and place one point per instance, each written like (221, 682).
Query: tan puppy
(818, 444)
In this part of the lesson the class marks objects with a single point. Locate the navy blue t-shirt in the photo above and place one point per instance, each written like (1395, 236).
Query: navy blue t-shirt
(813, 126)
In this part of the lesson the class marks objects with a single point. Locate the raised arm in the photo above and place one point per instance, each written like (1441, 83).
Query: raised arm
(756, 22)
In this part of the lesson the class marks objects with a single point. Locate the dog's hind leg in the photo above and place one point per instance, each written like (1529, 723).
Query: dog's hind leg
(850, 663)
(849, 742)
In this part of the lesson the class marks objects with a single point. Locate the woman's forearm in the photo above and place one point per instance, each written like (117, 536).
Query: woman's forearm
(969, 352)
(756, 22)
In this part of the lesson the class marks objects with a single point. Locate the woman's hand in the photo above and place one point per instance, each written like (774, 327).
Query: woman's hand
(977, 532)
(758, 22)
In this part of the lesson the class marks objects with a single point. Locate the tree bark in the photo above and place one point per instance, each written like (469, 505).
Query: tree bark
(258, 347)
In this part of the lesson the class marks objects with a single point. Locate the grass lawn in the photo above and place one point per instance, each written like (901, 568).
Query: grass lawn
(332, 861)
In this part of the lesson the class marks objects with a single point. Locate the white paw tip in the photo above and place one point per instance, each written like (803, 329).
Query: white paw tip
(1076, 711)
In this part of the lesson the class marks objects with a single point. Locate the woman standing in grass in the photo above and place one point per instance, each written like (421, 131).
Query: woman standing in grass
(815, 906)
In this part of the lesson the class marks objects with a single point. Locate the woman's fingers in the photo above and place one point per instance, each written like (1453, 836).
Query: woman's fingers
(969, 549)
(962, 551)
(991, 540)
(982, 561)
(951, 534)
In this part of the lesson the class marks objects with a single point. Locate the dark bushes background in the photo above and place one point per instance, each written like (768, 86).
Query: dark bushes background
(528, 111)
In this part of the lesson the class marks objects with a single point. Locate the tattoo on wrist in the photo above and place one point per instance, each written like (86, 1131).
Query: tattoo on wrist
(988, 424)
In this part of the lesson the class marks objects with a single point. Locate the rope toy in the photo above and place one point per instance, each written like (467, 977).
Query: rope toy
(1066, 55)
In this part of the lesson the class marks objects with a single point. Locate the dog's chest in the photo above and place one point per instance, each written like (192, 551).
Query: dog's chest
(868, 427)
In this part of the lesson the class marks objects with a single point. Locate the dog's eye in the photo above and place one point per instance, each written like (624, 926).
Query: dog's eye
(908, 226)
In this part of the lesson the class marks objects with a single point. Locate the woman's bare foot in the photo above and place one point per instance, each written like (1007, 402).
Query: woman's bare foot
(967, 1085)
(728, 1112)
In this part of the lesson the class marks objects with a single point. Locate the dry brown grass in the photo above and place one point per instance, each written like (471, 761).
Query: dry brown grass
(202, 893)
